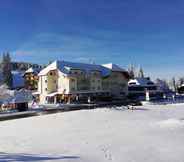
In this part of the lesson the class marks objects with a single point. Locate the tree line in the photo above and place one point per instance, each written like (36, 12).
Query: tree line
(7, 66)
(6, 69)
(172, 83)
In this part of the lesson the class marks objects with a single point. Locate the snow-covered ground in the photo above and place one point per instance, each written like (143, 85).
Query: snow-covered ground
(147, 134)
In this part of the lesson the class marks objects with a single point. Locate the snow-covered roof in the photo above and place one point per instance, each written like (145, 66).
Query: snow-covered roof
(114, 67)
(33, 70)
(65, 68)
(181, 85)
(141, 82)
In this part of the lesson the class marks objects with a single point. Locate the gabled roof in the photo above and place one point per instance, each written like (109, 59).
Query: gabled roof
(65, 68)
(114, 67)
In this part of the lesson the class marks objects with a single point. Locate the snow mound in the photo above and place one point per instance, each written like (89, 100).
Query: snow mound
(171, 123)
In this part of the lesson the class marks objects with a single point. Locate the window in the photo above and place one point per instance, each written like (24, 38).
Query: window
(73, 80)
(133, 83)
(152, 88)
(45, 81)
(136, 88)
(150, 83)
(45, 89)
(51, 73)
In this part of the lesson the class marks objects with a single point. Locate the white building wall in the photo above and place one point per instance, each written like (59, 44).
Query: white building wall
(42, 88)
(63, 83)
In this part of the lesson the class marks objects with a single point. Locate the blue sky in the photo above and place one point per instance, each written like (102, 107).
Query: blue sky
(149, 33)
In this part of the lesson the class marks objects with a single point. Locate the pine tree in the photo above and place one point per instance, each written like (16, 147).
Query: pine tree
(6, 70)
(141, 73)
(174, 84)
(131, 71)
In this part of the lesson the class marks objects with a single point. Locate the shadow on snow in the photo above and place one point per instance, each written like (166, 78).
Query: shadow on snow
(32, 157)
(131, 108)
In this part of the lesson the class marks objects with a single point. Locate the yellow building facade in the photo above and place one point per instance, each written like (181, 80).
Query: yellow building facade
(31, 79)
(62, 81)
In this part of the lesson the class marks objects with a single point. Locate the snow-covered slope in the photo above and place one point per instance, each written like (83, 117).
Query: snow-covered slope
(148, 134)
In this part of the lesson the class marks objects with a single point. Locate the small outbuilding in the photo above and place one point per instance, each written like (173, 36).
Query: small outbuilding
(19, 102)
(139, 87)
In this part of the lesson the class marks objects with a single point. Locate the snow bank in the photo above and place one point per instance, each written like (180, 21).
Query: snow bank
(171, 123)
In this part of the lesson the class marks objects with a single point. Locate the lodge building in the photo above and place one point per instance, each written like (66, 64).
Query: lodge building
(66, 81)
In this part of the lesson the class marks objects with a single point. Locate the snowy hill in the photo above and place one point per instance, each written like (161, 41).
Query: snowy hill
(147, 134)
